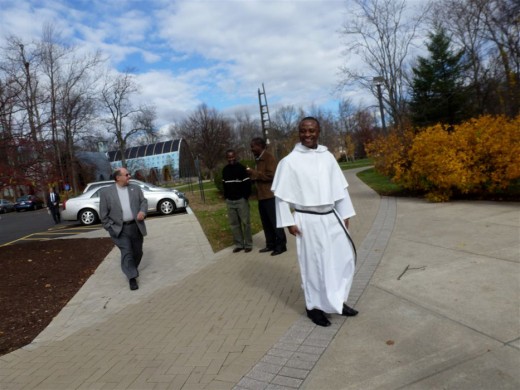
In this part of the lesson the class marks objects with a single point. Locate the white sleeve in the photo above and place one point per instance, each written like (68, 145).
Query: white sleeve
(284, 216)
(344, 206)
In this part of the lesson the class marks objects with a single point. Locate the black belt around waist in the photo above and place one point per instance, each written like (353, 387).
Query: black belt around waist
(129, 222)
(340, 222)
(314, 212)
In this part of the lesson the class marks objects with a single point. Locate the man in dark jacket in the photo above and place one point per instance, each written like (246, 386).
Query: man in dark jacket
(275, 239)
(53, 205)
(237, 189)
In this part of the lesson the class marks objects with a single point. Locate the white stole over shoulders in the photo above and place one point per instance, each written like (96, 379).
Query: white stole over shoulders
(309, 177)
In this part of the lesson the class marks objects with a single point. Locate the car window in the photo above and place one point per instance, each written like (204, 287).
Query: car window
(96, 193)
(91, 186)
(95, 186)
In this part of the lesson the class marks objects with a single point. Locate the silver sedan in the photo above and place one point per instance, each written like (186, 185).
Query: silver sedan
(85, 207)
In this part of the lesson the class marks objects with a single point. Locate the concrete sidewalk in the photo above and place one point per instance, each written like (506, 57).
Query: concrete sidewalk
(437, 285)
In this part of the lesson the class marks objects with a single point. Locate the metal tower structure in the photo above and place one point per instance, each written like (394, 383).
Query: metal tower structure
(264, 113)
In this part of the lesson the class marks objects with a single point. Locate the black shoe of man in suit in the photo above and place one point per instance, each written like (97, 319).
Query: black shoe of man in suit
(279, 251)
(133, 284)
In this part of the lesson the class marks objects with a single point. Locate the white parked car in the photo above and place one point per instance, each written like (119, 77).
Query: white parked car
(142, 184)
(85, 207)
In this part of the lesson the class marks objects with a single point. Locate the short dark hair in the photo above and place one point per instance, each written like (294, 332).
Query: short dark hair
(230, 151)
(259, 141)
(310, 118)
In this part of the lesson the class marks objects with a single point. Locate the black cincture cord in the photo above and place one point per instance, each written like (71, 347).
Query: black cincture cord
(340, 222)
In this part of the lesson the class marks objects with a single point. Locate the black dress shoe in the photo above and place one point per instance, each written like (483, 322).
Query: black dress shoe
(266, 249)
(348, 311)
(236, 250)
(133, 284)
(247, 250)
(318, 317)
(277, 252)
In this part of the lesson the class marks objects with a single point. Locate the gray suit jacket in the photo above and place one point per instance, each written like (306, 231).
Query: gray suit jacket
(111, 212)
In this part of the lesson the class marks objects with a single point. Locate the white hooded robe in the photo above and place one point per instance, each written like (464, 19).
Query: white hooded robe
(311, 180)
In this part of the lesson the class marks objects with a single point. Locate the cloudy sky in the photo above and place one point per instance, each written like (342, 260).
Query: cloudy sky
(217, 52)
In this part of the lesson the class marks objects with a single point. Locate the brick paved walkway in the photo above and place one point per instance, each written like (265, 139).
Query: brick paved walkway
(236, 323)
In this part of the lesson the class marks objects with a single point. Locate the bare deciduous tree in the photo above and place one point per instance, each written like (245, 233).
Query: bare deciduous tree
(27, 117)
(72, 105)
(208, 134)
(125, 120)
(380, 33)
(245, 129)
(284, 126)
(489, 33)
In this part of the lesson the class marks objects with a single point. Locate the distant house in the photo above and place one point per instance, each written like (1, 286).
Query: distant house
(158, 162)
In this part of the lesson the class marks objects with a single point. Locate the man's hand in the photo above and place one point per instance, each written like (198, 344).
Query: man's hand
(140, 216)
(294, 230)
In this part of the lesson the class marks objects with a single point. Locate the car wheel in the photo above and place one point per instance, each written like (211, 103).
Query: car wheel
(166, 206)
(87, 217)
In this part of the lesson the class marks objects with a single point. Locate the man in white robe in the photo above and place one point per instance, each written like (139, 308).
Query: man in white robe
(310, 181)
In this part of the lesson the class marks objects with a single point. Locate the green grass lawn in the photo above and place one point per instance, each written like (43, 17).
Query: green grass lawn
(211, 211)
(364, 162)
(210, 208)
(379, 183)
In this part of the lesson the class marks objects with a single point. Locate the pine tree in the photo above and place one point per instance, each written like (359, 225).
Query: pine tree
(438, 92)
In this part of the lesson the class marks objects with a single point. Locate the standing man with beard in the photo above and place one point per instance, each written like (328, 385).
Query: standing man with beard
(310, 181)
(275, 240)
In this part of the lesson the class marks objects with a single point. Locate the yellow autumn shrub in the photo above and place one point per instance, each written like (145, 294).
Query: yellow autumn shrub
(438, 162)
(495, 143)
(480, 156)
(390, 153)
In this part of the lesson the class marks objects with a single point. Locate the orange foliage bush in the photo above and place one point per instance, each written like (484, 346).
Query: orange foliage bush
(480, 156)
(390, 153)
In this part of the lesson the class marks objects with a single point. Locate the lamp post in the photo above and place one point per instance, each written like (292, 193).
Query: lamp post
(378, 82)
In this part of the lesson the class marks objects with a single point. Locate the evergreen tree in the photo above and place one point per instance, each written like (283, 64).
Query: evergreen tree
(438, 92)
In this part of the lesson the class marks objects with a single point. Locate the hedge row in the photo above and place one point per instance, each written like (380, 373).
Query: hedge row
(478, 157)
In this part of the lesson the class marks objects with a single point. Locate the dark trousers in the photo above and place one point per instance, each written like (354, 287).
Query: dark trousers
(274, 237)
(55, 212)
(130, 243)
(239, 217)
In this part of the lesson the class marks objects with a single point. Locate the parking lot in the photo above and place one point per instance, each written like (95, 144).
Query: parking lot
(38, 225)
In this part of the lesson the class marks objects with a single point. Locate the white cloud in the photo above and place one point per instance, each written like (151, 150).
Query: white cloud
(291, 46)
(172, 96)
(215, 51)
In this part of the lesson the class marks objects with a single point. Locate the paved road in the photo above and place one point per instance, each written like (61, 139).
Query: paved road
(14, 226)
(38, 225)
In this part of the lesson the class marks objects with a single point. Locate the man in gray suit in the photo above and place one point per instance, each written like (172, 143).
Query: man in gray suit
(122, 210)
